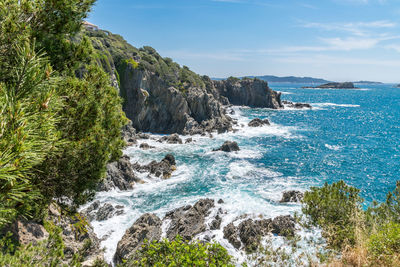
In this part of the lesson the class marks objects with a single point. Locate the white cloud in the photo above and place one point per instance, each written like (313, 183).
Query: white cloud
(355, 28)
(395, 47)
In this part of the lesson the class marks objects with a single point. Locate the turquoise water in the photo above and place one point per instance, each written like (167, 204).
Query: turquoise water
(349, 134)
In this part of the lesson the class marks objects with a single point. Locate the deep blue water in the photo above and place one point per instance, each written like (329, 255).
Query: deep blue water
(367, 137)
(349, 134)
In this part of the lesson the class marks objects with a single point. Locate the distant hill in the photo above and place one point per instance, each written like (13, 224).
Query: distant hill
(288, 79)
(367, 82)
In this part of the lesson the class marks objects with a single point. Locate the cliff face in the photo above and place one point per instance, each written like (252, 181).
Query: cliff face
(249, 92)
(162, 97)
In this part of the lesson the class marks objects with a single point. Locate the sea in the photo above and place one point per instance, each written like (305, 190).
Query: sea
(349, 134)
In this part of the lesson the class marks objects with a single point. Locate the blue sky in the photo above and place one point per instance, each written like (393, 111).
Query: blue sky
(334, 39)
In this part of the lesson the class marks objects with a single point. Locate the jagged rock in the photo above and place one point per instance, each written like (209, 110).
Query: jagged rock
(216, 223)
(230, 234)
(26, 232)
(292, 196)
(105, 212)
(283, 225)
(76, 240)
(296, 105)
(145, 146)
(228, 146)
(119, 175)
(189, 140)
(147, 227)
(165, 167)
(171, 139)
(249, 92)
(129, 134)
(143, 136)
(257, 122)
(189, 221)
(220, 201)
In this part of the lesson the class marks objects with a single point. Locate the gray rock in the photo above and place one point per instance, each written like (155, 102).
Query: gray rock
(105, 212)
(228, 146)
(189, 221)
(231, 234)
(257, 122)
(283, 225)
(147, 227)
(292, 196)
(163, 168)
(189, 140)
(171, 139)
(145, 146)
(119, 175)
(129, 134)
(249, 92)
(296, 105)
(216, 223)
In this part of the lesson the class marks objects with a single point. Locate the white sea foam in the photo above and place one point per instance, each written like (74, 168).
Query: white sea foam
(333, 147)
(246, 188)
(321, 105)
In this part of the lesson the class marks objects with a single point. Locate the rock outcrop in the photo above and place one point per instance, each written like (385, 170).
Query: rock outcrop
(171, 139)
(189, 221)
(147, 227)
(163, 169)
(228, 146)
(290, 104)
(162, 97)
(249, 92)
(257, 122)
(119, 175)
(334, 85)
(292, 196)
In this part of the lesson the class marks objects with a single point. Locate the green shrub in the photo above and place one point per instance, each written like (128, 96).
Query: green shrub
(384, 245)
(336, 209)
(180, 253)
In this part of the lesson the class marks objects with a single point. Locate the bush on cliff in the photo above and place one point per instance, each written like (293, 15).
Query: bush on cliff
(180, 253)
(57, 131)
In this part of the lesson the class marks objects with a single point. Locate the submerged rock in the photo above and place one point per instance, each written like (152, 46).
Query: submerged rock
(257, 122)
(147, 227)
(292, 196)
(119, 175)
(189, 221)
(228, 146)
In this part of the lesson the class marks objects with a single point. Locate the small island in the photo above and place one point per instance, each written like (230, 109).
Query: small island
(398, 86)
(334, 85)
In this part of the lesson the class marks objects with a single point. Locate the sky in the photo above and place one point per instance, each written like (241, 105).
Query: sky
(339, 40)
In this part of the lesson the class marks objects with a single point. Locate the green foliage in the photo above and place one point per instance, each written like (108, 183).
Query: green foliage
(334, 208)
(385, 243)
(48, 252)
(180, 253)
(132, 62)
(90, 124)
(28, 105)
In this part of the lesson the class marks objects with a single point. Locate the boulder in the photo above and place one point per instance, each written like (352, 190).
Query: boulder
(171, 139)
(231, 234)
(147, 227)
(163, 168)
(119, 175)
(228, 146)
(292, 196)
(257, 122)
(129, 134)
(105, 212)
(290, 104)
(145, 146)
(26, 232)
(189, 221)
(283, 225)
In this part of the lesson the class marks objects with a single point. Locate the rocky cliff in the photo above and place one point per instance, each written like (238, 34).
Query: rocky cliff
(162, 97)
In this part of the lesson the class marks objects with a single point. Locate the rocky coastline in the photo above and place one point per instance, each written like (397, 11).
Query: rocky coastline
(334, 85)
